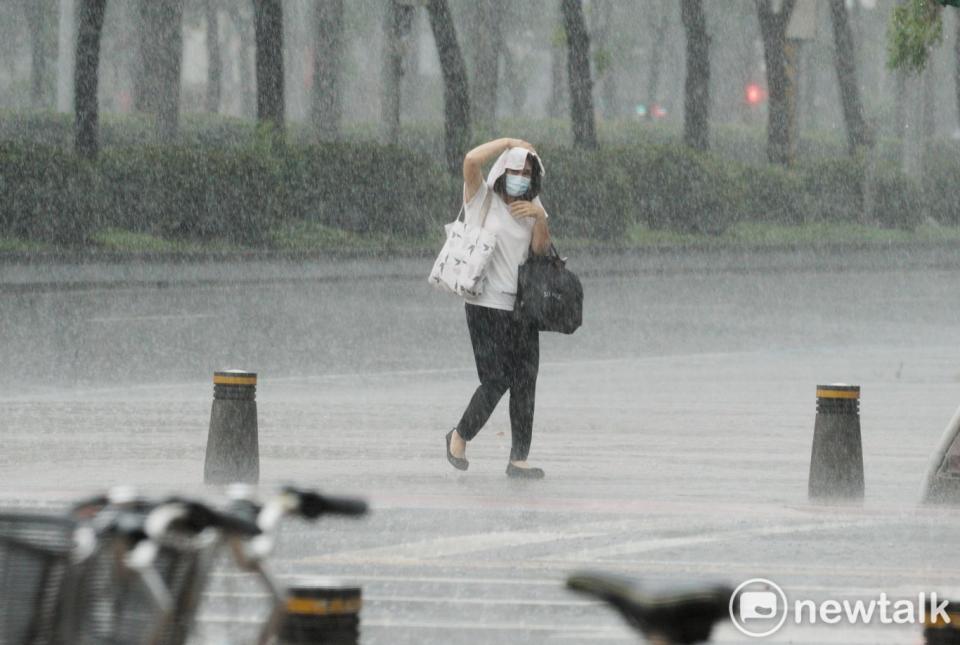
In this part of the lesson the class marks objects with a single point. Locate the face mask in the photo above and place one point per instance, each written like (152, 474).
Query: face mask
(517, 185)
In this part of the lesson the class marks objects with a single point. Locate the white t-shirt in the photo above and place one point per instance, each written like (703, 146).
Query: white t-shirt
(513, 244)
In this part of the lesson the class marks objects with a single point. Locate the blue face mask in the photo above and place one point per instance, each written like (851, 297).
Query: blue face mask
(517, 185)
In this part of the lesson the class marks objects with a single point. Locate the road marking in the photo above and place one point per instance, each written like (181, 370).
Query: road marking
(111, 319)
(441, 547)
(545, 582)
(539, 627)
(443, 600)
(644, 546)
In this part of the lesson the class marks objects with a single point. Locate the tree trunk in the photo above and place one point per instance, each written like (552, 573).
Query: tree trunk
(327, 104)
(141, 82)
(956, 69)
(899, 102)
(601, 22)
(578, 73)
(214, 61)
(696, 104)
(399, 20)
(857, 134)
(39, 14)
(268, 21)
(911, 143)
(168, 69)
(296, 31)
(157, 88)
(248, 72)
(486, 59)
(659, 24)
(456, 94)
(89, 30)
(928, 127)
(773, 27)
(66, 51)
(512, 77)
(808, 91)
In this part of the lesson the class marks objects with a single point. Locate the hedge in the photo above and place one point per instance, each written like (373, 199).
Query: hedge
(234, 194)
(240, 192)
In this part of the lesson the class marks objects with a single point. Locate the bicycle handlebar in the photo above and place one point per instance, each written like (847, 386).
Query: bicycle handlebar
(194, 517)
(311, 504)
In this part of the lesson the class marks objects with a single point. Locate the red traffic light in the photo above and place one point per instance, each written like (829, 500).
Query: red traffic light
(755, 94)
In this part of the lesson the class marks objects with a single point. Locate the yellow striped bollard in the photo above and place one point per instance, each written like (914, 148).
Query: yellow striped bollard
(836, 461)
(233, 452)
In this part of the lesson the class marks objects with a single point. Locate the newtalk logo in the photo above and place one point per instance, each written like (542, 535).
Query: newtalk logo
(763, 609)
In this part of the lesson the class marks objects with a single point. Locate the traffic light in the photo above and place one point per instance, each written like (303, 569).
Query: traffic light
(755, 94)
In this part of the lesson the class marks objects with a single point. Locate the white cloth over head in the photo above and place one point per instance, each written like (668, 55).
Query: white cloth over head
(513, 159)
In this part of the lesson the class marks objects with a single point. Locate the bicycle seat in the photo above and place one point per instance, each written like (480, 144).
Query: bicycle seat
(679, 613)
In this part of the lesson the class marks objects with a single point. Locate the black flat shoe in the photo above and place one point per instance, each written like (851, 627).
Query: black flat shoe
(460, 463)
(524, 473)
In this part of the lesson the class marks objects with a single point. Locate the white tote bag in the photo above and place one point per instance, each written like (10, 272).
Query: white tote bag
(459, 267)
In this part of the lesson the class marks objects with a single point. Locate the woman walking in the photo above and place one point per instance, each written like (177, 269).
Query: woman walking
(506, 350)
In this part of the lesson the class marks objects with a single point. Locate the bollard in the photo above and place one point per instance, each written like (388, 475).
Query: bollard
(937, 631)
(321, 611)
(836, 461)
(233, 453)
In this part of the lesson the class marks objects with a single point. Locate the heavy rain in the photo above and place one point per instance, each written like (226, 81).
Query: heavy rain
(217, 223)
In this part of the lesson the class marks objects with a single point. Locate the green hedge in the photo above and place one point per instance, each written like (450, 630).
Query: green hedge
(233, 194)
(229, 185)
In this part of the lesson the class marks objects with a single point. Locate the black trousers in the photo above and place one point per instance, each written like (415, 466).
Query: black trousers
(507, 353)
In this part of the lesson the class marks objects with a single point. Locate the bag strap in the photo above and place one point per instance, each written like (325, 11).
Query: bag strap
(553, 253)
(484, 208)
(553, 250)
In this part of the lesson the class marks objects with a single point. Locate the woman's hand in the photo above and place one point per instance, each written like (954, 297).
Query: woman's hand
(520, 143)
(520, 209)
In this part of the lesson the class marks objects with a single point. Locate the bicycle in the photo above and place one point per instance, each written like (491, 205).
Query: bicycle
(666, 615)
(127, 570)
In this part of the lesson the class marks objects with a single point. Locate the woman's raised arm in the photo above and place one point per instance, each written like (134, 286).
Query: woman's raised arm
(474, 160)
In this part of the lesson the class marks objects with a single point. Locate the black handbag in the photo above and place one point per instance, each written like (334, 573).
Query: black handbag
(549, 296)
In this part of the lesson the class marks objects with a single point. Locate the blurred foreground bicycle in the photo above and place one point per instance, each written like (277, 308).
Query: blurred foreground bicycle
(125, 570)
(665, 615)
(687, 613)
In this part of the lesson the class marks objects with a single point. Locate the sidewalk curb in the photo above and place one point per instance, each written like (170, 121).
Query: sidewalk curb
(71, 256)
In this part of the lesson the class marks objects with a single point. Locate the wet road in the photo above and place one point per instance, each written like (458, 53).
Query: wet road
(675, 428)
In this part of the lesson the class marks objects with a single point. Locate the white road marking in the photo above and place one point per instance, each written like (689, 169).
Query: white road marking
(440, 547)
(643, 546)
(545, 582)
(446, 546)
(440, 600)
(111, 319)
(551, 627)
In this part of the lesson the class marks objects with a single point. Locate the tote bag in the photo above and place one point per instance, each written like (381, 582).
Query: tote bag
(461, 263)
(549, 296)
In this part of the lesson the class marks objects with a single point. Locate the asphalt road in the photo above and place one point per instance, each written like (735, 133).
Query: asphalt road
(675, 428)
